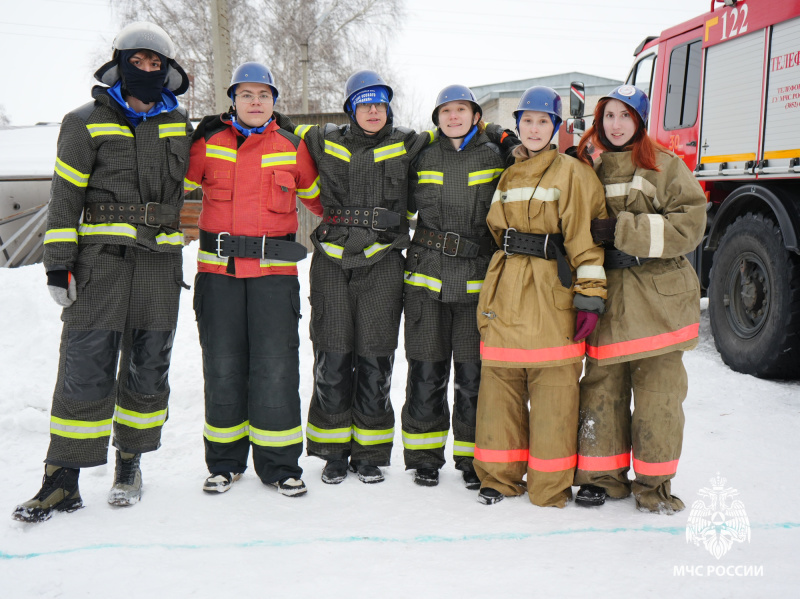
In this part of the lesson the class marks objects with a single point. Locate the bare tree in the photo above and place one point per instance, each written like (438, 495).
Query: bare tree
(4, 120)
(342, 37)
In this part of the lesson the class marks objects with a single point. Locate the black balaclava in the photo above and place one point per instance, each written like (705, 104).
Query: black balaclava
(146, 86)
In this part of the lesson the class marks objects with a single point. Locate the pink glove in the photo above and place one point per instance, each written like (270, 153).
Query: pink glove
(585, 324)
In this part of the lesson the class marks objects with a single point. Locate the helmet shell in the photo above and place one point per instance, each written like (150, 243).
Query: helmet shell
(145, 36)
(451, 93)
(252, 72)
(362, 80)
(633, 97)
(540, 99)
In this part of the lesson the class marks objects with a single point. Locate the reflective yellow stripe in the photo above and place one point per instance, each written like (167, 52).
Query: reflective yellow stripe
(172, 130)
(463, 448)
(279, 159)
(487, 176)
(392, 151)
(375, 248)
(727, 158)
(170, 239)
(209, 258)
(189, 185)
(140, 420)
(75, 177)
(301, 130)
(118, 229)
(54, 235)
(220, 152)
(432, 135)
(474, 286)
(334, 251)
(275, 263)
(410, 214)
(418, 280)
(372, 437)
(79, 429)
(329, 435)
(311, 192)
(338, 151)
(430, 177)
(226, 435)
(419, 441)
(264, 438)
(109, 129)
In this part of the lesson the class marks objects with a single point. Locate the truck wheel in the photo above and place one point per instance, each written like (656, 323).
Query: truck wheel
(754, 300)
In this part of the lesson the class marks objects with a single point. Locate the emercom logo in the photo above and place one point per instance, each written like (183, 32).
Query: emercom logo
(717, 520)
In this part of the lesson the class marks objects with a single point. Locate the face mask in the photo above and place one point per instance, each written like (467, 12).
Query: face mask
(146, 86)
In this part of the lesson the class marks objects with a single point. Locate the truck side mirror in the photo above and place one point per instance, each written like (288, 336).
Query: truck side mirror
(577, 99)
(576, 126)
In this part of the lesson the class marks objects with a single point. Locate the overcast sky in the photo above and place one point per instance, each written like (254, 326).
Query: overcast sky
(51, 47)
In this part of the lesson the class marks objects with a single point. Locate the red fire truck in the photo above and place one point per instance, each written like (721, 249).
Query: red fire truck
(725, 95)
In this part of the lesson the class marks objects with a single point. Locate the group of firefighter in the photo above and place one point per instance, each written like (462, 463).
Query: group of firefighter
(514, 280)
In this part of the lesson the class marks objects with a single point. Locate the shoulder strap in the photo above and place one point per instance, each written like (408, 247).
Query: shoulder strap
(290, 136)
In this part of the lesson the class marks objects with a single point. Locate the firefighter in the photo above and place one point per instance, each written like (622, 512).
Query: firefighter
(656, 215)
(112, 252)
(247, 295)
(452, 184)
(357, 277)
(542, 295)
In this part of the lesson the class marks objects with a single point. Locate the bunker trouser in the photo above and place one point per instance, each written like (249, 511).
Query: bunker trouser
(608, 430)
(249, 334)
(355, 319)
(127, 299)
(426, 417)
(512, 439)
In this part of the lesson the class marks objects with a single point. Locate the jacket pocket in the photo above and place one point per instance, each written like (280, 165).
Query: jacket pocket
(220, 195)
(317, 301)
(676, 282)
(562, 298)
(178, 156)
(280, 196)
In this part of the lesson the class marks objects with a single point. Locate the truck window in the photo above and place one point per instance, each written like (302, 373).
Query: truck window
(683, 90)
(642, 74)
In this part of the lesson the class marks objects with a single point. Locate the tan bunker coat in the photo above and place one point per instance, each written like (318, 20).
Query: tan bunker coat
(527, 323)
(652, 315)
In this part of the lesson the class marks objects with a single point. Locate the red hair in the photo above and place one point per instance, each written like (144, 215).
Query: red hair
(643, 148)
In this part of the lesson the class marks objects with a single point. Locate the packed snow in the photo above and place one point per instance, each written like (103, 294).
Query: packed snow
(394, 539)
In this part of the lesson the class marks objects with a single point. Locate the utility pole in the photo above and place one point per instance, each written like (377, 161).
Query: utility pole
(221, 50)
(304, 60)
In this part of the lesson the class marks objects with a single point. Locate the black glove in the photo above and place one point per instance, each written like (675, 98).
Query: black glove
(61, 285)
(603, 229)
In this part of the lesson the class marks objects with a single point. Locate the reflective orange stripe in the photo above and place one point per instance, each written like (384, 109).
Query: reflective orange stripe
(547, 354)
(601, 464)
(655, 468)
(638, 346)
(554, 465)
(501, 455)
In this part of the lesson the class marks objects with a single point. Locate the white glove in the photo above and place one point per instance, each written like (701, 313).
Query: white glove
(61, 285)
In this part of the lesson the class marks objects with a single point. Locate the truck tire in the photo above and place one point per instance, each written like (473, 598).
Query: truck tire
(754, 300)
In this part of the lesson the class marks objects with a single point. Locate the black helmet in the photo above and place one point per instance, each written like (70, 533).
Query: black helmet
(142, 35)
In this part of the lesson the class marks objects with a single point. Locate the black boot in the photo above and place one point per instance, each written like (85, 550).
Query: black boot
(590, 496)
(489, 496)
(59, 492)
(471, 480)
(426, 477)
(335, 471)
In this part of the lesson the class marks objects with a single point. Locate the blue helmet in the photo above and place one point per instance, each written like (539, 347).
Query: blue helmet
(633, 97)
(540, 99)
(361, 80)
(451, 93)
(252, 72)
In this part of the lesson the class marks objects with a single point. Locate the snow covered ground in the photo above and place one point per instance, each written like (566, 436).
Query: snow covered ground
(394, 539)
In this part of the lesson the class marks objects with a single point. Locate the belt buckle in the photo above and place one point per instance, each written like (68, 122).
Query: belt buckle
(546, 241)
(506, 241)
(147, 211)
(219, 244)
(375, 218)
(444, 244)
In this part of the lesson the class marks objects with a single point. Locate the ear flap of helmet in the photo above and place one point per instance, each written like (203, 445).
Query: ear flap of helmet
(177, 80)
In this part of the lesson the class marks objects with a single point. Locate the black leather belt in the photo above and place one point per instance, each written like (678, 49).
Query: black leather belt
(225, 245)
(376, 218)
(547, 246)
(619, 259)
(151, 214)
(453, 244)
